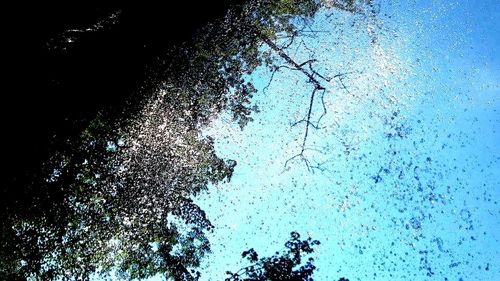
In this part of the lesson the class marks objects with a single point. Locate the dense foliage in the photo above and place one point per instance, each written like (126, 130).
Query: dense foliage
(283, 266)
(116, 196)
(280, 267)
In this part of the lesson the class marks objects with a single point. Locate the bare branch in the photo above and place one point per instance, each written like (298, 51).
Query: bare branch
(292, 38)
(314, 78)
(272, 78)
(307, 122)
(324, 109)
(290, 61)
(327, 79)
(311, 103)
(317, 87)
(343, 85)
(302, 157)
(308, 62)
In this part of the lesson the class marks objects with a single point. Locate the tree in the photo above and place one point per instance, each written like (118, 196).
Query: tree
(286, 266)
(114, 190)
(67, 217)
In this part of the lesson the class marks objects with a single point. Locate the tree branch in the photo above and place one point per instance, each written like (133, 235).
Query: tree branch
(290, 61)
(312, 79)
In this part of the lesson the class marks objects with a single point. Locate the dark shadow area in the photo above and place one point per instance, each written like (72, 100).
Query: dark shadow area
(66, 63)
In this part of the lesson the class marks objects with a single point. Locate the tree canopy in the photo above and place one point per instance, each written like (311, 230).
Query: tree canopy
(95, 187)
(281, 266)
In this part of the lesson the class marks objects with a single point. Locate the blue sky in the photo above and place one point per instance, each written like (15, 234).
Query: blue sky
(419, 205)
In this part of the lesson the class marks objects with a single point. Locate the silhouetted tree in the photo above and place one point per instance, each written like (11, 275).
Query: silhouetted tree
(283, 266)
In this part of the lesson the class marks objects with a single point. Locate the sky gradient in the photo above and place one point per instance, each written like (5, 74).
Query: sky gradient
(405, 182)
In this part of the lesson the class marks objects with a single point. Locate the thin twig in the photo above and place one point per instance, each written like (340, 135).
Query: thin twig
(311, 74)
